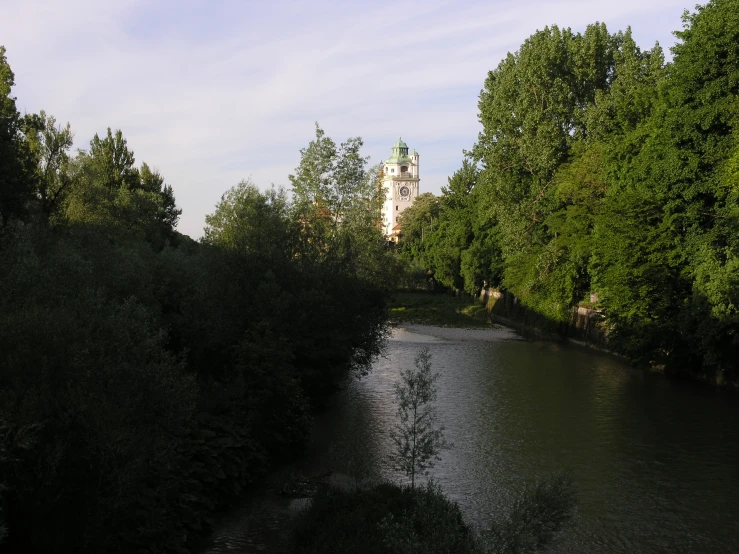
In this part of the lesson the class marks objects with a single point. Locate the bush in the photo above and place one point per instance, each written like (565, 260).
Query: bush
(386, 518)
(537, 516)
(402, 520)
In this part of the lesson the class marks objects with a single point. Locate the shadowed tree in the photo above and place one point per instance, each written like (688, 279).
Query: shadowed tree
(16, 163)
(537, 516)
(417, 436)
(108, 191)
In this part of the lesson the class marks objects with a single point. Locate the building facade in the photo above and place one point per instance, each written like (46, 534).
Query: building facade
(400, 183)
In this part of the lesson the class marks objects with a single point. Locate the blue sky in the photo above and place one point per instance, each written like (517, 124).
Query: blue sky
(214, 92)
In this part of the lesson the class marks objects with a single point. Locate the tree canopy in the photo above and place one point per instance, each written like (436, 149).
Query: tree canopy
(601, 172)
(147, 379)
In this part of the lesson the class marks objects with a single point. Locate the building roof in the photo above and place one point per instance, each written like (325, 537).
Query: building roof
(400, 153)
(398, 160)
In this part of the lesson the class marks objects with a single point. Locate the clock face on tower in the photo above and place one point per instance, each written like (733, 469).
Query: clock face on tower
(404, 191)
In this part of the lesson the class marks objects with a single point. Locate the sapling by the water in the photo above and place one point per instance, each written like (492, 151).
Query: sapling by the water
(417, 436)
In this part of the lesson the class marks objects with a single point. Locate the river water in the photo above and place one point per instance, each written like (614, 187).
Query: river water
(655, 461)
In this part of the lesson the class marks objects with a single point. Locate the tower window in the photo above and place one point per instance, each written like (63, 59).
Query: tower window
(404, 169)
(392, 170)
(396, 207)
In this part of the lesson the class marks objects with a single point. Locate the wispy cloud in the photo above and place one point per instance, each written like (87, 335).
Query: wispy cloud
(212, 92)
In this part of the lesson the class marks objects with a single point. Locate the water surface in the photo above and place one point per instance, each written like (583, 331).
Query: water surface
(655, 461)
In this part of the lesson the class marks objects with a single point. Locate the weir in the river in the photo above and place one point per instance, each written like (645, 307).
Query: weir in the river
(655, 462)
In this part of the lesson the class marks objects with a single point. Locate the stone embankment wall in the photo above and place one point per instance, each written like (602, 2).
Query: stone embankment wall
(585, 325)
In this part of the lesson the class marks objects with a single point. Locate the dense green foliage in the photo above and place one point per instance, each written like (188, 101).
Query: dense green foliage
(146, 379)
(602, 172)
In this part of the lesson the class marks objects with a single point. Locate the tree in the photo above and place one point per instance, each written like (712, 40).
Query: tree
(249, 221)
(417, 222)
(666, 244)
(108, 191)
(91, 396)
(536, 517)
(333, 180)
(554, 115)
(337, 200)
(341, 248)
(16, 166)
(417, 436)
(532, 109)
(167, 213)
(453, 232)
(49, 144)
(113, 161)
(383, 519)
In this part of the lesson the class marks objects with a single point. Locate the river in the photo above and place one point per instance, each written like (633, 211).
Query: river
(655, 461)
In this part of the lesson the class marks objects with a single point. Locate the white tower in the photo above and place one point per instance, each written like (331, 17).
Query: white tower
(400, 183)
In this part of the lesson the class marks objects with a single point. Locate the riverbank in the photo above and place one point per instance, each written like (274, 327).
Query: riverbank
(652, 458)
(585, 330)
(261, 521)
(440, 310)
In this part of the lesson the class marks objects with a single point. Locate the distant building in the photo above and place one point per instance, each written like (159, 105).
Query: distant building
(400, 182)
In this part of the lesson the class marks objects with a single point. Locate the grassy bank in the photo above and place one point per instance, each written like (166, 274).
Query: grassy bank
(443, 310)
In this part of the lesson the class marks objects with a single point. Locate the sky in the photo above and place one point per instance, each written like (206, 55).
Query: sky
(213, 92)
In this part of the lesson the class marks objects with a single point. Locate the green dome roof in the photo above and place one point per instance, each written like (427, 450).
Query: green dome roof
(400, 153)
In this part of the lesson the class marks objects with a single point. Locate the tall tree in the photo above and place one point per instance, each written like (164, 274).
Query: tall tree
(113, 162)
(533, 108)
(333, 180)
(108, 190)
(454, 231)
(167, 214)
(549, 112)
(16, 164)
(418, 222)
(667, 241)
(50, 144)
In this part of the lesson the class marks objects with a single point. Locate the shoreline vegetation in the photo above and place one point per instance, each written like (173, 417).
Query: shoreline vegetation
(387, 518)
(366, 516)
(447, 309)
(604, 179)
(148, 380)
(442, 310)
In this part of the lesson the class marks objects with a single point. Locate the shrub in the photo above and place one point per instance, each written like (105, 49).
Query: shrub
(386, 518)
(537, 516)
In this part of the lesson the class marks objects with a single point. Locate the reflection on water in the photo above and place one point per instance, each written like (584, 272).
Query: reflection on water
(655, 462)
